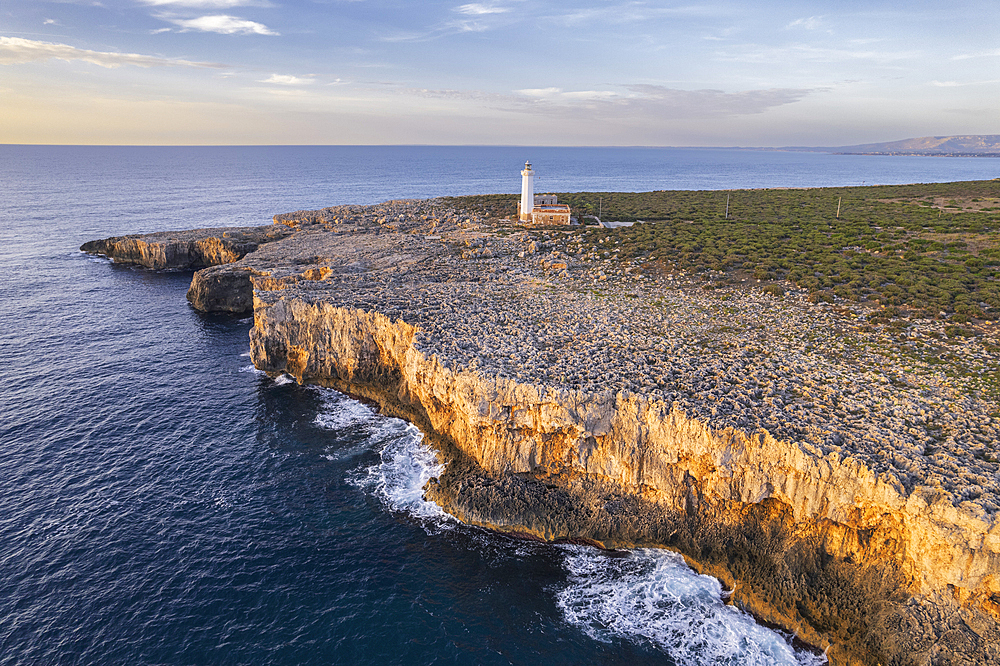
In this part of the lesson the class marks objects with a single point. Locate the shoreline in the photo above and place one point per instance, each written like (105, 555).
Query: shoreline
(362, 298)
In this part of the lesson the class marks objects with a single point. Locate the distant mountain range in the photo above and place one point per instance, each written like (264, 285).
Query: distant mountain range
(979, 144)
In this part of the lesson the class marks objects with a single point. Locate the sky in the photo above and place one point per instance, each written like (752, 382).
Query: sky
(496, 72)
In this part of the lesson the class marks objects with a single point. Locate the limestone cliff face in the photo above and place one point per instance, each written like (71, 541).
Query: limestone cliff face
(192, 254)
(216, 288)
(850, 560)
(197, 248)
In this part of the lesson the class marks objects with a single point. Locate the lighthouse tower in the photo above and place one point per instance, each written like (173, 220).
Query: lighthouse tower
(527, 192)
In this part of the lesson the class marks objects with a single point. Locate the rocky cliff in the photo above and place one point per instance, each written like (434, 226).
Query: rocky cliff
(226, 290)
(769, 442)
(197, 248)
(848, 559)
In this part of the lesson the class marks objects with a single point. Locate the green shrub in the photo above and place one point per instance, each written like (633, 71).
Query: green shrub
(922, 261)
(820, 297)
(957, 331)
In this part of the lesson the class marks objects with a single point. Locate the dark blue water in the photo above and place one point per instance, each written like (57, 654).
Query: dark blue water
(163, 503)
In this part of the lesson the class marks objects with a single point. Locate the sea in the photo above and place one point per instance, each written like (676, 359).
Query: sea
(162, 502)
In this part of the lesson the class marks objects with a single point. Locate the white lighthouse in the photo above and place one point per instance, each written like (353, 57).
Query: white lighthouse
(527, 192)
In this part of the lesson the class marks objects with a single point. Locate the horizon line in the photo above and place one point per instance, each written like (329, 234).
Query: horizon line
(403, 145)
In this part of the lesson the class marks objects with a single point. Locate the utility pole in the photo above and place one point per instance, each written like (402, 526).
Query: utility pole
(727, 206)
(838, 206)
(600, 202)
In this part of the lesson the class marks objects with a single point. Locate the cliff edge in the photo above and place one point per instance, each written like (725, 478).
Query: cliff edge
(838, 493)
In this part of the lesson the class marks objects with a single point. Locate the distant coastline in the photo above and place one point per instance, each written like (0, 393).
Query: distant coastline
(976, 145)
(920, 154)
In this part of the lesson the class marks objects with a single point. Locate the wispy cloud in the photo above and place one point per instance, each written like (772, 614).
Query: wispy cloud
(477, 9)
(811, 23)
(957, 84)
(983, 54)
(558, 94)
(627, 12)
(14, 51)
(673, 102)
(287, 80)
(207, 4)
(466, 26)
(220, 23)
(49, 22)
(755, 53)
(476, 17)
(290, 93)
(633, 104)
(455, 27)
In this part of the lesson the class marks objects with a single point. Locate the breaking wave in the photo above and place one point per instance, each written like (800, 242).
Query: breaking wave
(340, 412)
(653, 596)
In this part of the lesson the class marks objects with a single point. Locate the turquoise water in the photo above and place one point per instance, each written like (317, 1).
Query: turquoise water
(164, 503)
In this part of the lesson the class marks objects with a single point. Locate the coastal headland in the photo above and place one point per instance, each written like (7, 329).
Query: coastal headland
(843, 486)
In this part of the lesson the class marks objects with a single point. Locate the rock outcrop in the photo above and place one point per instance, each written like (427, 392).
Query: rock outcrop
(225, 290)
(197, 248)
(857, 508)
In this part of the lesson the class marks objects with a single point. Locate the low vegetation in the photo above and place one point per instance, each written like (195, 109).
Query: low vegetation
(921, 250)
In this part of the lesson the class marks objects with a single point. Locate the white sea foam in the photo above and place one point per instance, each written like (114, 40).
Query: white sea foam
(405, 465)
(652, 595)
(339, 412)
(281, 380)
(252, 370)
(246, 353)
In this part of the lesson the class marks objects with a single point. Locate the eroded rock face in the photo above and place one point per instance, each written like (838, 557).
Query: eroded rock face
(850, 560)
(225, 290)
(197, 248)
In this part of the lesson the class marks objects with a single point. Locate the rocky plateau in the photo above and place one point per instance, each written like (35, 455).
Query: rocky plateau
(841, 488)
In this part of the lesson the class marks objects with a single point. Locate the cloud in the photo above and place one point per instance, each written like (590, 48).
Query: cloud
(557, 94)
(289, 93)
(49, 22)
(15, 51)
(956, 84)
(984, 54)
(481, 17)
(222, 24)
(286, 80)
(207, 4)
(443, 30)
(811, 23)
(637, 103)
(477, 9)
(496, 99)
(467, 26)
(754, 53)
(628, 12)
(672, 102)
